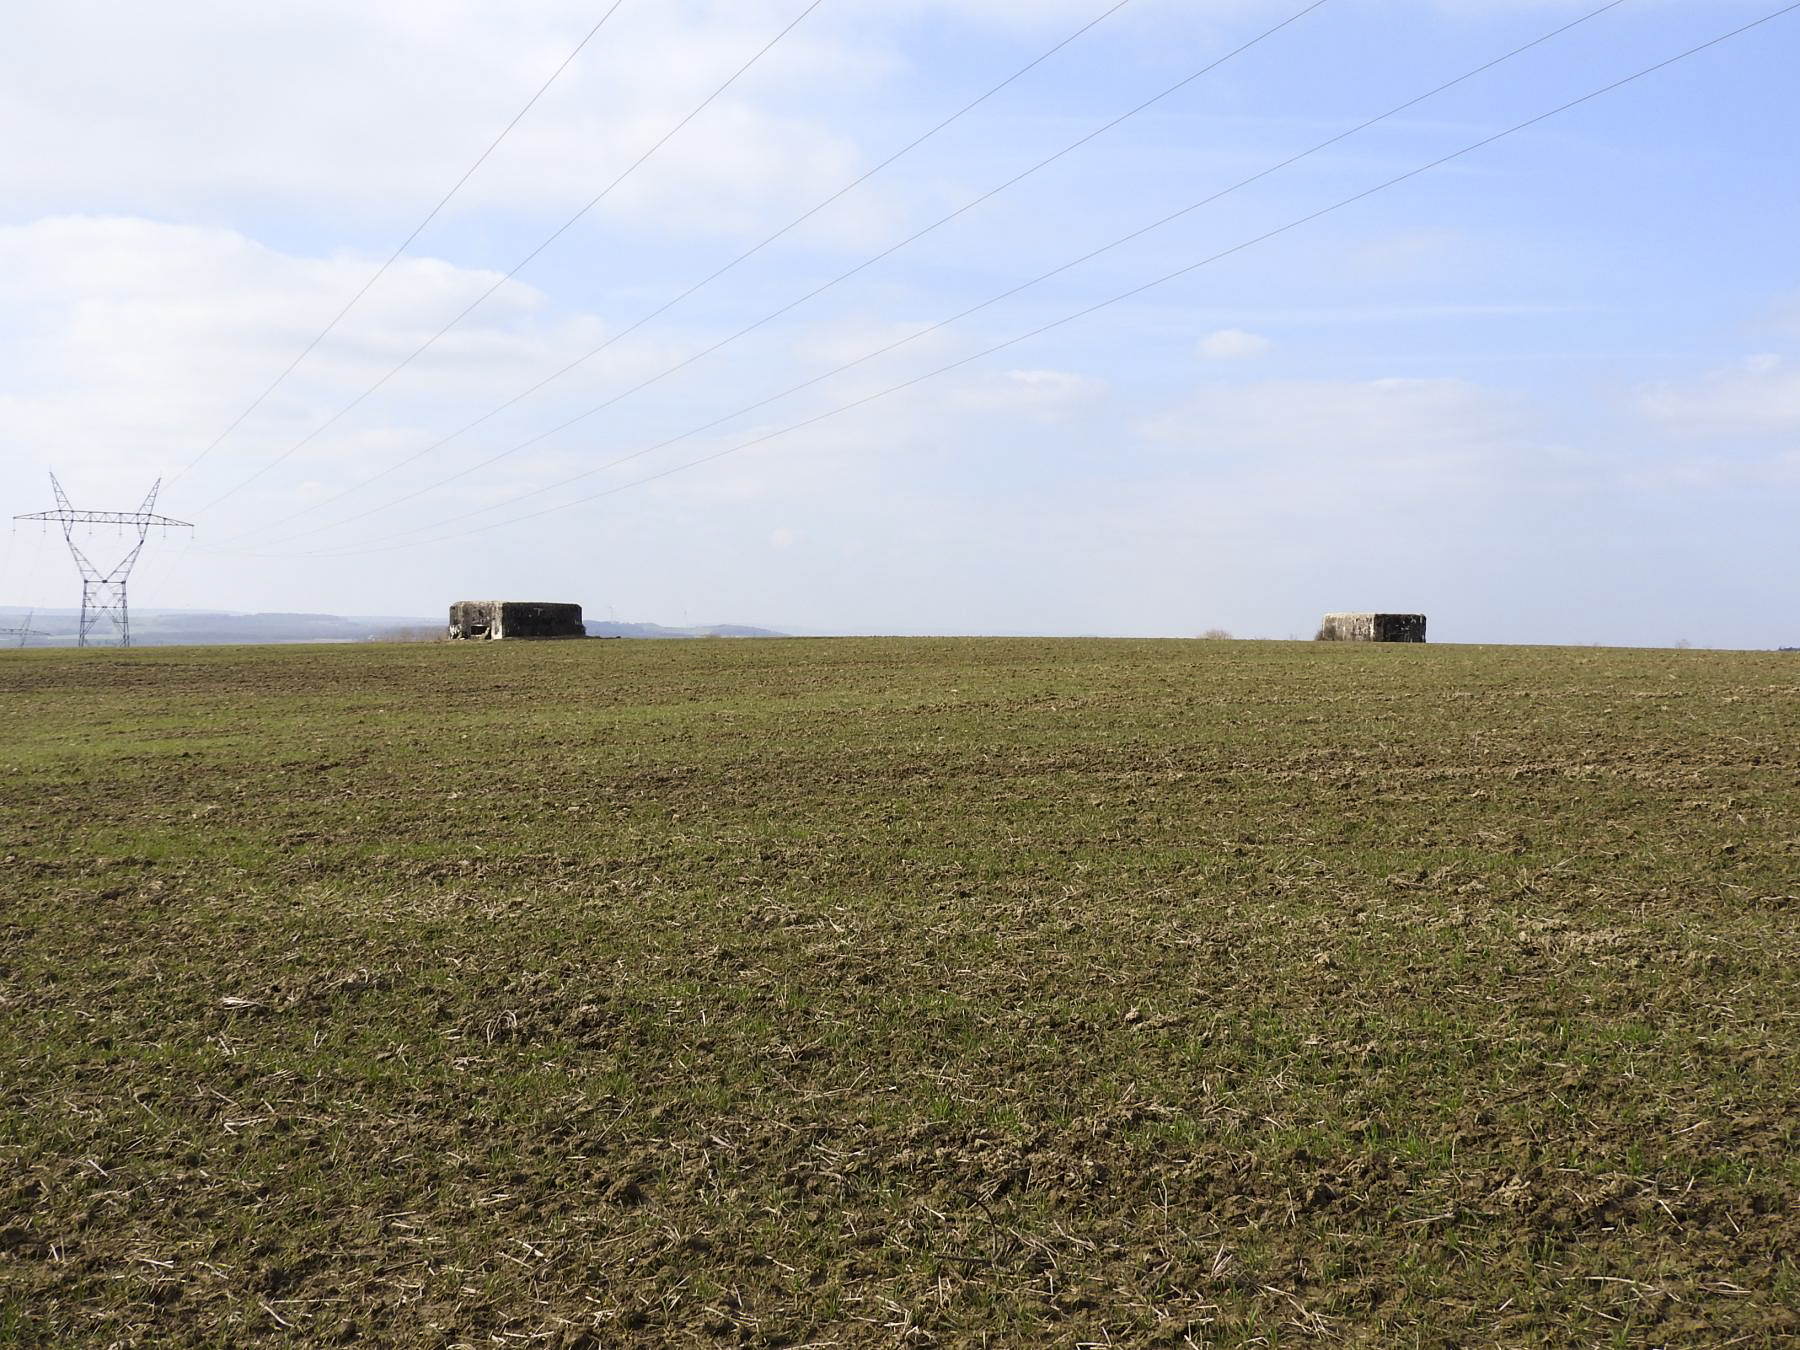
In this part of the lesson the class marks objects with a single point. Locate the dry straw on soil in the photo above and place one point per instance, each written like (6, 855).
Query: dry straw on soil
(876, 993)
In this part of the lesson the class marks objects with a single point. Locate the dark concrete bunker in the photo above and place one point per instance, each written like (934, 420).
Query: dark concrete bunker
(1367, 627)
(491, 620)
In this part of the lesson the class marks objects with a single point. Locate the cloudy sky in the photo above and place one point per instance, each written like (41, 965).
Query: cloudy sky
(1059, 362)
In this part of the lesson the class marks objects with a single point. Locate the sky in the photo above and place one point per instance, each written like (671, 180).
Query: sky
(1207, 314)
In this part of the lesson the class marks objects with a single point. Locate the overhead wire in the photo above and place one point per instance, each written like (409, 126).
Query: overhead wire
(519, 266)
(791, 305)
(741, 258)
(404, 244)
(1066, 319)
(968, 312)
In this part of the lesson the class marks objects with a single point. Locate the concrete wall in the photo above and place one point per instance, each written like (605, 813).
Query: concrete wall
(1364, 627)
(495, 619)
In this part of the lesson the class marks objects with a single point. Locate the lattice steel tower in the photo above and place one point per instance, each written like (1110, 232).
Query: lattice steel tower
(103, 593)
(25, 630)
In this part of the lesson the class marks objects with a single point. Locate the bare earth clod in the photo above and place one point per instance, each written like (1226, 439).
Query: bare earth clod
(899, 992)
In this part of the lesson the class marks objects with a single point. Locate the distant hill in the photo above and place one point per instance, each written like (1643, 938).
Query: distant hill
(655, 630)
(186, 627)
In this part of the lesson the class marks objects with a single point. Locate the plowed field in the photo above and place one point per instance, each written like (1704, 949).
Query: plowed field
(1005, 993)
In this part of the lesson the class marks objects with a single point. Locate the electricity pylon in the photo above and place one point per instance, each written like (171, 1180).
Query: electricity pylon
(103, 593)
(24, 631)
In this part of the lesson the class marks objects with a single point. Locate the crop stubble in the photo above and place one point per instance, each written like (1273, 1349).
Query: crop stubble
(873, 992)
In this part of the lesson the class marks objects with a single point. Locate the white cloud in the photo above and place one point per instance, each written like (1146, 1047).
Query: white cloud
(1232, 344)
(1759, 396)
(365, 114)
(128, 342)
(837, 342)
(1042, 395)
(1426, 428)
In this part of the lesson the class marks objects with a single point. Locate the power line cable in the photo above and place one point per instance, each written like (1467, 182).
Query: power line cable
(1066, 319)
(743, 257)
(519, 266)
(785, 309)
(405, 243)
(955, 318)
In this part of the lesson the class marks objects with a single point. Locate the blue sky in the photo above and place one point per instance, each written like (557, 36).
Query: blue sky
(1546, 392)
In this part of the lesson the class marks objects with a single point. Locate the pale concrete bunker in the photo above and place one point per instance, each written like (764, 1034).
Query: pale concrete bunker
(1368, 627)
(491, 620)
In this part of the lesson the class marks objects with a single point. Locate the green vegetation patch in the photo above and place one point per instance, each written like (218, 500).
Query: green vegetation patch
(899, 992)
